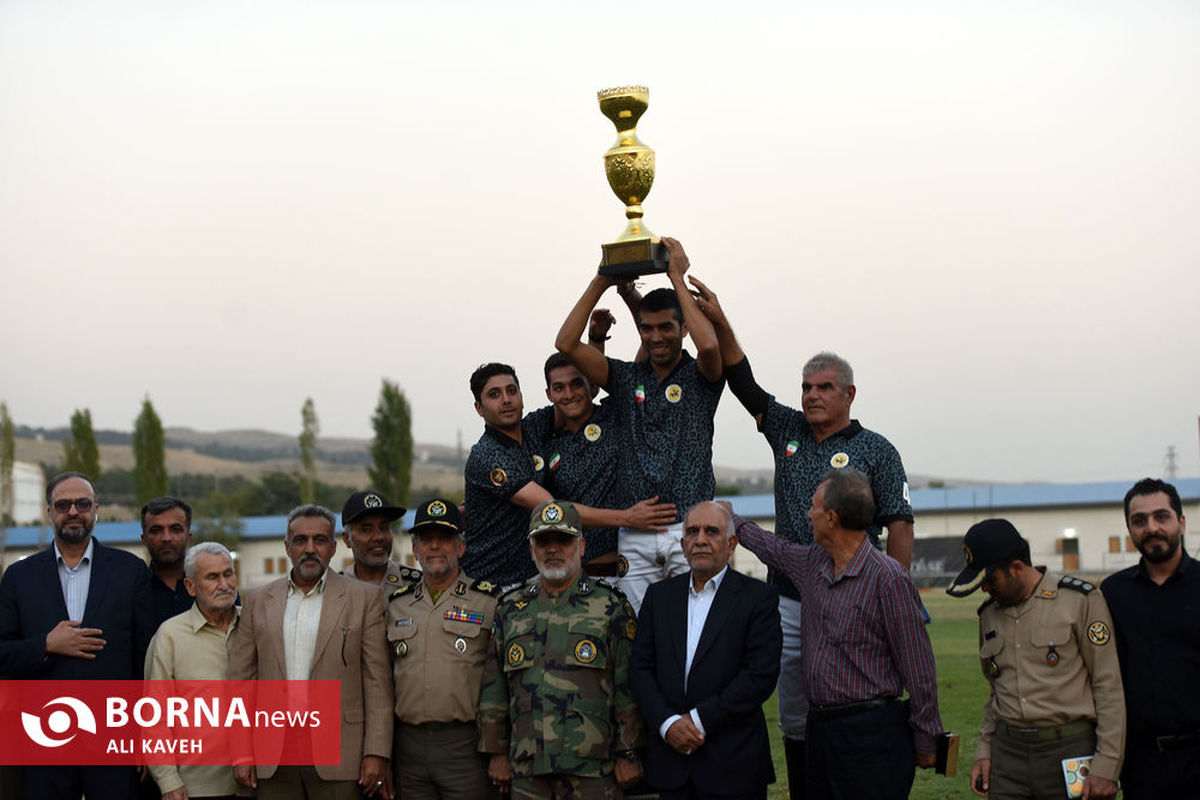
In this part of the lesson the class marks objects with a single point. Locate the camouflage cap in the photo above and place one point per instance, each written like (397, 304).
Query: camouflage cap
(555, 515)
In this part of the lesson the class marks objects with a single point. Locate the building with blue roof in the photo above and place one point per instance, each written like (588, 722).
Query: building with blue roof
(1071, 527)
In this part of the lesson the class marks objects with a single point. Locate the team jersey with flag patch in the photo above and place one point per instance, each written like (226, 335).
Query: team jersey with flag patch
(800, 461)
(668, 432)
(581, 466)
(497, 468)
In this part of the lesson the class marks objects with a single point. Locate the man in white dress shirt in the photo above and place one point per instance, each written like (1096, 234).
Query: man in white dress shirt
(701, 684)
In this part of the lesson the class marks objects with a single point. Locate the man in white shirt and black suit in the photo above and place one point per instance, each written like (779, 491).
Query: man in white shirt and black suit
(705, 659)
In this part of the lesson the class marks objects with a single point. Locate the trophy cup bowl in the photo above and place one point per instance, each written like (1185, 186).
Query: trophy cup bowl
(629, 167)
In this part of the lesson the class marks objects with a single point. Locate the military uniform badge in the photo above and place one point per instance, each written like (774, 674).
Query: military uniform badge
(585, 651)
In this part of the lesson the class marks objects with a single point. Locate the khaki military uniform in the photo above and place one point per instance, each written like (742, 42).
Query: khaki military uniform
(556, 696)
(397, 575)
(1056, 686)
(438, 649)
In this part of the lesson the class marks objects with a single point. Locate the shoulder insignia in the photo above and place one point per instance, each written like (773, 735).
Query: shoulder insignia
(516, 655)
(983, 605)
(585, 586)
(410, 574)
(1047, 593)
(532, 589)
(520, 604)
(1079, 585)
(487, 587)
(401, 591)
(1099, 634)
(392, 579)
(499, 477)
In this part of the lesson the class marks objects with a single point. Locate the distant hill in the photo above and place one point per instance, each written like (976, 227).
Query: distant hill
(340, 460)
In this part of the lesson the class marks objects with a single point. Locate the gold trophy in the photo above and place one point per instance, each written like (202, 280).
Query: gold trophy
(629, 165)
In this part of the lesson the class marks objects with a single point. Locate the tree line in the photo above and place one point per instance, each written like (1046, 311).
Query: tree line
(222, 501)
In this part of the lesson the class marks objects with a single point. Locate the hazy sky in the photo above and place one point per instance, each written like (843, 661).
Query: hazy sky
(991, 209)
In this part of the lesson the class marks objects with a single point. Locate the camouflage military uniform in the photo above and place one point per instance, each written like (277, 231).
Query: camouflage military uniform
(556, 695)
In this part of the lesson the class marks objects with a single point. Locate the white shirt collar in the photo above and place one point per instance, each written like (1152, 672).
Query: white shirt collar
(87, 554)
(714, 582)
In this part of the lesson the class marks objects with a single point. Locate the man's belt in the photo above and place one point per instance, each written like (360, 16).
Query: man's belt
(838, 710)
(1177, 741)
(1047, 734)
(453, 725)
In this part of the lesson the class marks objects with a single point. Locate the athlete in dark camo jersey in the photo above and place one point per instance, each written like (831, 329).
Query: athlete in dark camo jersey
(503, 481)
(666, 404)
(806, 444)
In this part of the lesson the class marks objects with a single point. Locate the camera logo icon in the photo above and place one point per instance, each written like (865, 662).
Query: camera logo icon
(59, 721)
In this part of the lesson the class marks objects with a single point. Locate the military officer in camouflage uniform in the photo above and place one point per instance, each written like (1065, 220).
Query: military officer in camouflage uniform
(1046, 646)
(439, 631)
(557, 712)
(367, 530)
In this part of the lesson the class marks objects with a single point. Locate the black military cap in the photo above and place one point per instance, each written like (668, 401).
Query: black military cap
(987, 544)
(438, 513)
(371, 503)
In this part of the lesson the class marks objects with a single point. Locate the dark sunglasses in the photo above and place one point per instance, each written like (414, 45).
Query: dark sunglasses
(83, 504)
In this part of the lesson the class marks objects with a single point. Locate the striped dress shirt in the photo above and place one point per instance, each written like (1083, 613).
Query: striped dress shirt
(863, 630)
(75, 580)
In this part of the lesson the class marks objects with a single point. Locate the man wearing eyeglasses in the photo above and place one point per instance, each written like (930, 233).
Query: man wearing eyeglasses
(78, 610)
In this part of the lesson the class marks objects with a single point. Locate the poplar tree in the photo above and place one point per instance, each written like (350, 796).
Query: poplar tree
(392, 448)
(310, 427)
(7, 460)
(149, 455)
(80, 452)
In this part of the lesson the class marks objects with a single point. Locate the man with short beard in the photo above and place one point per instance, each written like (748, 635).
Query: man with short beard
(556, 712)
(1154, 605)
(166, 533)
(439, 632)
(78, 610)
(367, 519)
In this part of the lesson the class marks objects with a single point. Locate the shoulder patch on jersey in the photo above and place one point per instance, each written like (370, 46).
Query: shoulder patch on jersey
(410, 574)
(487, 587)
(1078, 584)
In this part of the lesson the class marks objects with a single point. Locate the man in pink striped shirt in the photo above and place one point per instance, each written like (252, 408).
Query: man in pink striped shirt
(865, 645)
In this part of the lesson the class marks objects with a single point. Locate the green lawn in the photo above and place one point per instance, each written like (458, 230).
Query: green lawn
(961, 693)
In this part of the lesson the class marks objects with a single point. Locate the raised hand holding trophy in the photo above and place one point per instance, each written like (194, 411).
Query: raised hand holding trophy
(629, 166)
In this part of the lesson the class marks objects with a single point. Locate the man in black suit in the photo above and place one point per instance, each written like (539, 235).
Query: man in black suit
(76, 610)
(705, 659)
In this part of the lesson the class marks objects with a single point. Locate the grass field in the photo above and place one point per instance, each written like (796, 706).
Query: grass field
(961, 694)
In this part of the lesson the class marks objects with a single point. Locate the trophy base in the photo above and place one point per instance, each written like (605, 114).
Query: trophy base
(633, 258)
